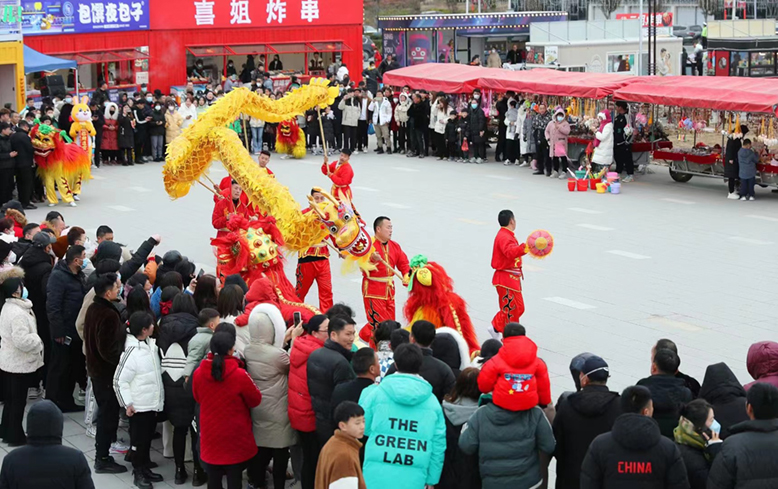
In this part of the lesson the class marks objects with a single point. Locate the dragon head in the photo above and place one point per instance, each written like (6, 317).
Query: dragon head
(250, 245)
(44, 140)
(347, 230)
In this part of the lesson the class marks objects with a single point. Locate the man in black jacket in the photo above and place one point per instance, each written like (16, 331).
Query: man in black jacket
(37, 263)
(366, 367)
(44, 462)
(688, 380)
(104, 343)
(327, 368)
(748, 457)
(65, 292)
(434, 371)
(580, 418)
(22, 145)
(98, 121)
(502, 109)
(622, 142)
(7, 163)
(634, 455)
(668, 392)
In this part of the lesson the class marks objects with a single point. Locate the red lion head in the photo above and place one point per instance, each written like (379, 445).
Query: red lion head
(288, 132)
(250, 246)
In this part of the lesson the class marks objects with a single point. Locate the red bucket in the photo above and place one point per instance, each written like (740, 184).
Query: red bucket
(571, 184)
(583, 185)
(593, 183)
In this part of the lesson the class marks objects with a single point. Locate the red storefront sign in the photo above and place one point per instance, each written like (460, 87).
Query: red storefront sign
(661, 19)
(204, 14)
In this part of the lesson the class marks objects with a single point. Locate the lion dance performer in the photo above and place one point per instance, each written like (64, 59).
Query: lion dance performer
(431, 297)
(378, 284)
(251, 250)
(313, 264)
(290, 139)
(506, 261)
(61, 165)
(341, 174)
(233, 201)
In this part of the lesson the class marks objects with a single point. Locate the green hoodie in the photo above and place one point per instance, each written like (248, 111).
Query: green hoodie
(406, 433)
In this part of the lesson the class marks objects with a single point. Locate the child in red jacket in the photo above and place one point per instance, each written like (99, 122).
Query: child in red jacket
(517, 378)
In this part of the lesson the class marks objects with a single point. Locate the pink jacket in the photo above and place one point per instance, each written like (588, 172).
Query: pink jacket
(556, 134)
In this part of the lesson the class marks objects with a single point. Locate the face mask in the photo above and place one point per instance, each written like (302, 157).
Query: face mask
(149, 99)
(24, 292)
(157, 107)
(475, 106)
(379, 99)
(395, 99)
(171, 108)
(477, 96)
(560, 118)
(84, 263)
(715, 427)
(112, 111)
(143, 90)
(68, 100)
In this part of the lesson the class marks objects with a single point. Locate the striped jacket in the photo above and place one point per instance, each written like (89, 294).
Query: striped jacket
(138, 378)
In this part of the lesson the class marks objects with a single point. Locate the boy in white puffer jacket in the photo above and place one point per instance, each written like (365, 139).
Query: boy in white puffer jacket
(138, 386)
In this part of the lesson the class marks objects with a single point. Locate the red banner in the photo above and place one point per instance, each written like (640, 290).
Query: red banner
(661, 19)
(205, 14)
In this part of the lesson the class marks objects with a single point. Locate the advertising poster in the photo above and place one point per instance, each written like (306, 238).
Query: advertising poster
(420, 48)
(621, 63)
(43, 17)
(536, 55)
(10, 20)
(446, 49)
(394, 44)
(662, 20)
(552, 55)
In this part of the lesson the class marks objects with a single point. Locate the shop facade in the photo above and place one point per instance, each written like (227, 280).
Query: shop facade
(457, 38)
(749, 57)
(162, 46)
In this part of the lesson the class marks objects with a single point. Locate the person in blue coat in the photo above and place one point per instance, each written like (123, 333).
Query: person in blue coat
(405, 427)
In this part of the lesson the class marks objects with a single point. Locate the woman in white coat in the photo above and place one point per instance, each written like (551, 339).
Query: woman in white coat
(603, 142)
(21, 354)
(268, 365)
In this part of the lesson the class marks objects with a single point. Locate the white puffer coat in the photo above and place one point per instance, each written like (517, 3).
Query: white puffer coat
(138, 378)
(603, 153)
(21, 349)
(268, 365)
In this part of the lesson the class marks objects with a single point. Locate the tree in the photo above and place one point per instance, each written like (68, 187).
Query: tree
(609, 6)
(771, 8)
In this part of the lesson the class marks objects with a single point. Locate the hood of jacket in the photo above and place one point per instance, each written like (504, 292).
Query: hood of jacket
(559, 112)
(267, 325)
(107, 112)
(305, 345)
(762, 359)
(636, 432)
(44, 424)
(593, 400)
(406, 389)
(519, 351)
(451, 348)
(720, 384)
(34, 256)
(460, 411)
(177, 327)
(753, 425)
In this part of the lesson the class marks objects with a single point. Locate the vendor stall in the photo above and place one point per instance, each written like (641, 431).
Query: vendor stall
(448, 78)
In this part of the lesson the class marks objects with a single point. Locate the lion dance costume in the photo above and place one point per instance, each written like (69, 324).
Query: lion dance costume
(290, 139)
(431, 297)
(251, 250)
(61, 165)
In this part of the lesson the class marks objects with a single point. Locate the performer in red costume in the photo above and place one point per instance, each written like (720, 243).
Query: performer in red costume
(506, 261)
(233, 201)
(264, 159)
(378, 285)
(314, 264)
(341, 174)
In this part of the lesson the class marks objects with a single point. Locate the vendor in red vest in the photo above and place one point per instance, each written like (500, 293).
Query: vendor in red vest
(506, 261)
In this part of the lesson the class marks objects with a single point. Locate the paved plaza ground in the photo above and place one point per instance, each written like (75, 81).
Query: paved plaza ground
(662, 259)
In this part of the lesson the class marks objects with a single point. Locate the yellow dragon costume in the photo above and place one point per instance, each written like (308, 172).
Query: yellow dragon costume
(208, 138)
(61, 165)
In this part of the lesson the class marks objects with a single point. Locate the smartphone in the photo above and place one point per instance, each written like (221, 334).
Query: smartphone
(68, 340)
(200, 273)
(297, 317)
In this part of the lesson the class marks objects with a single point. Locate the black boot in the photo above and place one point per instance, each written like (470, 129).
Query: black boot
(151, 476)
(181, 475)
(199, 478)
(140, 480)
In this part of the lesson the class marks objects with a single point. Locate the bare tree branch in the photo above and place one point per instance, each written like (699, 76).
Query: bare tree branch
(609, 6)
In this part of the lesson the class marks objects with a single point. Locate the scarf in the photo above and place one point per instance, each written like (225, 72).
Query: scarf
(686, 434)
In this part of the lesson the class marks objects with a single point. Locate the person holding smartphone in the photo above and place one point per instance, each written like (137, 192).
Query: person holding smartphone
(697, 437)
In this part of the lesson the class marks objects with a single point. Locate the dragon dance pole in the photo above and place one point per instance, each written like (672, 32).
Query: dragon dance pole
(321, 128)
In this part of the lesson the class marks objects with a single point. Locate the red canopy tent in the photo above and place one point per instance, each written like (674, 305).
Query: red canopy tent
(436, 77)
(554, 82)
(709, 92)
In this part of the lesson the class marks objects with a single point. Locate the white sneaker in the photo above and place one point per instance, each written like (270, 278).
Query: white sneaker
(562, 176)
(355, 153)
(556, 174)
(751, 197)
(507, 163)
(51, 205)
(34, 393)
(76, 197)
(73, 204)
(119, 447)
(479, 161)
(524, 165)
(91, 431)
(733, 196)
(742, 198)
(628, 179)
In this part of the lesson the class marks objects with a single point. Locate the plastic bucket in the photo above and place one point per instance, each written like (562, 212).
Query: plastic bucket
(583, 185)
(601, 188)
(571, 184)
(579, 174)
(612, 176)
(615, 188)
(593, 183)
